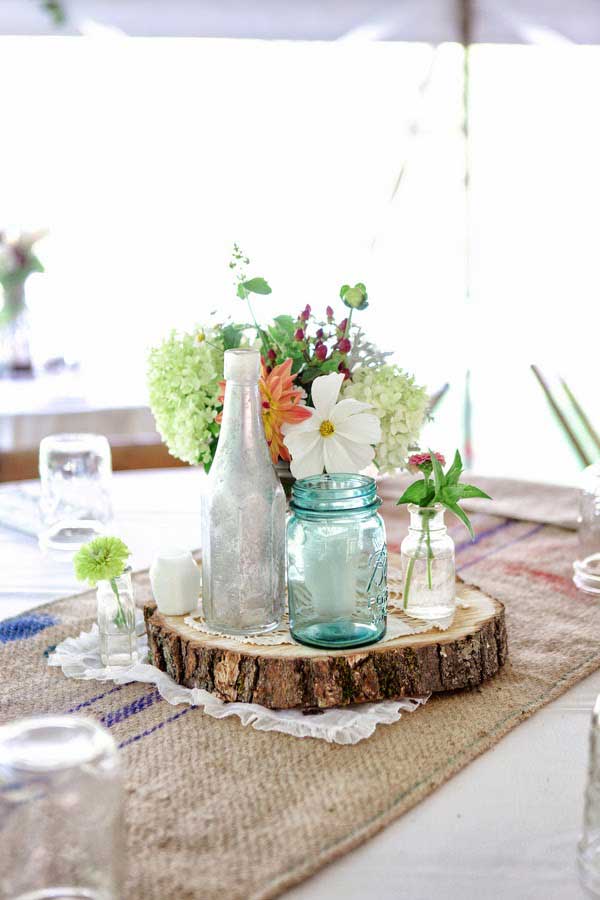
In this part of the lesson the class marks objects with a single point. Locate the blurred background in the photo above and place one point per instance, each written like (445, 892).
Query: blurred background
(444, 152)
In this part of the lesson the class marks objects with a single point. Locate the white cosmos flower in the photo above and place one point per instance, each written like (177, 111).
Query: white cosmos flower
(338, 437)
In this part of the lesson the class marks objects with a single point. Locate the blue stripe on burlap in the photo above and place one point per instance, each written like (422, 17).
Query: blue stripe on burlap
(149, 731)
(131, 709)
(25, 626)
(517, 540)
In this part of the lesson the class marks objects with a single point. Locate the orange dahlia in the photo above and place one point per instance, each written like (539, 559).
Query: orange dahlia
(281, 402)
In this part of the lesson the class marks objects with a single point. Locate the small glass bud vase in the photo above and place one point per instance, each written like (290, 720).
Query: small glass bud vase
(116, 621)
(586, 569)
(428, 571)
(337, 562)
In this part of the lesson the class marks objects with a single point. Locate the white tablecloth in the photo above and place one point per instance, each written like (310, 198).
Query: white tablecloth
(505, 828)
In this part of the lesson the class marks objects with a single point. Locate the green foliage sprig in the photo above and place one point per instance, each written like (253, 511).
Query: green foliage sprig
(444, 488)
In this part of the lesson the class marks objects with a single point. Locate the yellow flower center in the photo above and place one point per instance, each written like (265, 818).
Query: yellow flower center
(327, 428)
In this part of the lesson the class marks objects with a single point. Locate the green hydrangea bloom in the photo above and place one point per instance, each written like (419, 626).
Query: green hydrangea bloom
(183, 382)
(400, 404)
(100, 560)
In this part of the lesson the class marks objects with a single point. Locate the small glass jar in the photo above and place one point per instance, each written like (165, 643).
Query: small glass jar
(588, 849)
(428, 571)
(75, 504)
(337, 562)
(116, 621)
(60, 811)
(586, 569)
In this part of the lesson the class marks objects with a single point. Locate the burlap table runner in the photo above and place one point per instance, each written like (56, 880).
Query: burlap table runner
(216, 810)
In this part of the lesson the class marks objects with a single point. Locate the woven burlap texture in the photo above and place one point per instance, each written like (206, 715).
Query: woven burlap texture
(217, 810)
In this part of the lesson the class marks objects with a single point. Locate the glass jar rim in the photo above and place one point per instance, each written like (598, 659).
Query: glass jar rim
(334, 492)
(415, 508)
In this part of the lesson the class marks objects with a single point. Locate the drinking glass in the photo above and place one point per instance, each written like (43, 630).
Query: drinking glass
(587, 567)
(60, 811)
(75, 473)
(588, 850)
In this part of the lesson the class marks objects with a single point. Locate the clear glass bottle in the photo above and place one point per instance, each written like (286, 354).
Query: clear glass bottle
(337, 562)
(243, 514)
(588, 850)
(586, 568)
(116, 621)
(60, 811)
(428, 571)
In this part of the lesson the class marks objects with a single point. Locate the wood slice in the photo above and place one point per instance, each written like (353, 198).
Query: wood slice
(285, 676)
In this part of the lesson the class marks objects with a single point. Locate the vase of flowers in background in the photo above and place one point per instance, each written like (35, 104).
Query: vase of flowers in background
(427, 552)
(17, 263)
(185, 375)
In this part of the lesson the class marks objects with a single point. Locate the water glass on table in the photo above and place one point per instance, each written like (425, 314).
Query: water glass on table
(61, 831)
(588, 850)
(75, 505)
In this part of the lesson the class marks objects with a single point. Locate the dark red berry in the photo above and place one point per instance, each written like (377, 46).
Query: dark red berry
(321, 352)
(342, 325)
(329, 313)
(320, 333)
(344, 345)
(271, 354)
(299, 334)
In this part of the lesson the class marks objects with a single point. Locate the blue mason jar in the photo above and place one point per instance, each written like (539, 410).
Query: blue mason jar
(337, 562)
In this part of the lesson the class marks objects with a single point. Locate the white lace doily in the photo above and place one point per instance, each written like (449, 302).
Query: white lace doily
(398, 623)
(80, 658)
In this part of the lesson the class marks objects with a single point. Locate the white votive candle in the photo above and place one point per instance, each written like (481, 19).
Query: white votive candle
(175, 580)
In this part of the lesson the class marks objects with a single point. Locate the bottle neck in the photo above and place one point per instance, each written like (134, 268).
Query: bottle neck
(242, 417)
(427, 518)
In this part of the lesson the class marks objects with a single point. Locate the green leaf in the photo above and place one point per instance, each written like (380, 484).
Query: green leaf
(343, 289)
(256, 286)
(438, 474)
(471, 491)
(232, 335)
(287, 324)
(455, 471)
(456, 492)
(460, 514)
(418, 492)
(241, 291)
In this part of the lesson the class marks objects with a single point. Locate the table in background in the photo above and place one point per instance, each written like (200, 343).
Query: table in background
(456, 843)
(31, 408)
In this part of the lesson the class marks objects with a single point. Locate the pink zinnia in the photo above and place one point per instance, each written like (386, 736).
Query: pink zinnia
(418, 460)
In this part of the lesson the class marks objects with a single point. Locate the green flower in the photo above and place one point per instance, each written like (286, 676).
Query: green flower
(183, 383)
(399, 403)
(103, 559)
(354, 297)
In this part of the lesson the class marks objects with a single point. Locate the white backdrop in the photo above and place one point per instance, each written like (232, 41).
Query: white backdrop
(148, 157)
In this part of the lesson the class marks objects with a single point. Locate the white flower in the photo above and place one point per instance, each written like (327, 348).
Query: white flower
(337, 437)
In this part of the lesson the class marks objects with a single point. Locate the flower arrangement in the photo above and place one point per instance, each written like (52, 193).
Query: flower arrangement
(307, 359)
(17, 263)
(443, 488)
(103, 559)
